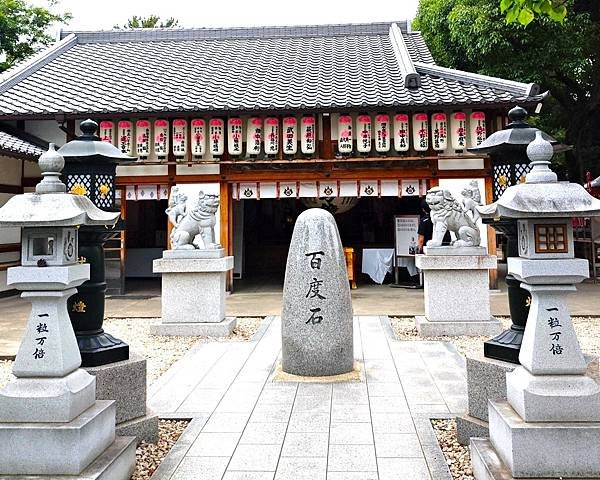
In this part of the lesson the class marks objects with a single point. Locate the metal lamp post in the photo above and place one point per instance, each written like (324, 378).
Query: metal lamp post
(90, 170)
(510, 164)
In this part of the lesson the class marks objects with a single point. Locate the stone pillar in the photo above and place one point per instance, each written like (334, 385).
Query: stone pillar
(456, 292)
(193, 293)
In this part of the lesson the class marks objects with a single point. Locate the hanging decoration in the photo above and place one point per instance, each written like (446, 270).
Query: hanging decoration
(401, 139)
(458, 130)
(234, 136)
(179, 137)
(142, 140)
(345, 134)
(307, 134)
(439, 131)
(420, 132)
(478, 132)
(198, 137)
(217, 137)
(161, 138)
(290, 135)
(254, 136)
(107, 131)
(271, 135)
(125, 136)
(363, 133)
(382, 132)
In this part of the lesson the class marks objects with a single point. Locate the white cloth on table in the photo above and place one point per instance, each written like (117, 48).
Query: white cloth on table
(376, 262)
(408, 263)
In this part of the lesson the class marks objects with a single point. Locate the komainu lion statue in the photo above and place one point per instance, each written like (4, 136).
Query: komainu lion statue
(449, 215)
(188, 224)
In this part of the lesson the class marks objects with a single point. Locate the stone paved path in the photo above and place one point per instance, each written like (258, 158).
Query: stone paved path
(247, 427)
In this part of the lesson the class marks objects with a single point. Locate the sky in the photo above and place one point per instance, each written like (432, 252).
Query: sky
(227, 13)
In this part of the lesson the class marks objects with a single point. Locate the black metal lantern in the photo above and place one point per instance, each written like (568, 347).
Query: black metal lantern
(510, 164)
(90, 170)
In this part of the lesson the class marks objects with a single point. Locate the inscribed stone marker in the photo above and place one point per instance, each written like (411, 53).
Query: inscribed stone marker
(317, 308)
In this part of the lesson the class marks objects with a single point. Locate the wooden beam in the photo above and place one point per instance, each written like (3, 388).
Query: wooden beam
(31, 181)
(70, 130)
(491, 233)
(14, 189)
(164, 179)
(10, 247)
(226, 225)
(327, 146)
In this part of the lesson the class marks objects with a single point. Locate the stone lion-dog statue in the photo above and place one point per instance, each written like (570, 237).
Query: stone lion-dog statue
(188, 224)
(449, 215)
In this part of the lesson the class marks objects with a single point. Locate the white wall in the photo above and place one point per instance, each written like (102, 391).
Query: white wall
(47, 130)
(10, 171)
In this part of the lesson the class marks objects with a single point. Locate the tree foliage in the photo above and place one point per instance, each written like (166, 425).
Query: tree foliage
(525, 11)
(23, 30)
(562, 57)
(151, 21)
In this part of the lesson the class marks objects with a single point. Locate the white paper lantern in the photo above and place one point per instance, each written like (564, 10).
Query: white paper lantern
(198, 137)
(125, 136)
(382, 132)
(216, 135)
(234, 136)
(308, 135)
(161, 138)
(107, 131)
(477, 130)
(345, 134)
(254, 135)
(142, 138)
(439, 131)
(271, 135)
(420, 127)
(401, 138)
(363, 133)
(290, 135)
(179, 137)
(458, 130)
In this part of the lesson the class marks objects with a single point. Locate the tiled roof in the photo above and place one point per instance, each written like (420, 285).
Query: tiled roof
(243, 69)
(12, 145)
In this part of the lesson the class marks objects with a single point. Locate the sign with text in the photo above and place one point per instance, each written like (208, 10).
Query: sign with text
(405, 234)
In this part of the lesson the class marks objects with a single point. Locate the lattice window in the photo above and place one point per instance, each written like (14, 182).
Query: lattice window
(551, 238)
(520, 170)
(79, 184)
(502, 180)
(104, 191)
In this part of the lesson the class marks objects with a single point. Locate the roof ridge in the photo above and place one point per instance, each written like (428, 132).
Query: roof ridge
(197, 33)
(20, 71)
(407, 69)
(520, 88)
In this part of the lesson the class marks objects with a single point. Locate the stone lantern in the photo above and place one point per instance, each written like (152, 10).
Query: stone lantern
(50, 422)
(510, 164)
(549, 426)
(90, 171)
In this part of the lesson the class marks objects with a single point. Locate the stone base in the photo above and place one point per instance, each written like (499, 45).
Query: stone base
(125, 383)
(47, 399)
(428, 328)
(197, 253)
(57, 448)
(117, 462)
(544, 449)
(468, 427)
(196, 329)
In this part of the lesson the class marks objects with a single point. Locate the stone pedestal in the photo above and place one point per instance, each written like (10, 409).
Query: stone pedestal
(125, 383)
(456, 292)
(193, 293)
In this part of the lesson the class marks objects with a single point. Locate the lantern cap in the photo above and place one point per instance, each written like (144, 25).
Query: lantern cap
(88, 146)
(542, 196)
(51, 164)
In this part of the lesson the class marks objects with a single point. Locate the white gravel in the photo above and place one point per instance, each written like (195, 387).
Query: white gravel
(457, 457)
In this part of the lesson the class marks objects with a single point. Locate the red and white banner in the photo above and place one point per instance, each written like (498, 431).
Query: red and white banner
(308, 135)
(107, 131)
(458, 130)
(477, 130)
(125, 142)
(179, 137)
(142, 137)
(363, 133)
(345, 134)
(161, 138)
(145, 192)
(290, 135)
(420, 126)
(198, 137)
(382, 132)
(401, 137)
(254, 135)
(439, 131)
(234, 136)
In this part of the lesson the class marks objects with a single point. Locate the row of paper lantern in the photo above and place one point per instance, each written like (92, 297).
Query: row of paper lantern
(264, 133)
(209, 136)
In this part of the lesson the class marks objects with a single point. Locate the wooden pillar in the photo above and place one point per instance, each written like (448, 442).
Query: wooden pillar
(327, 150)
(226, 226)
(491, 233)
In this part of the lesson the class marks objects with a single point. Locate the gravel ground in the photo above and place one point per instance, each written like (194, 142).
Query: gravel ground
(458, 457)
(587, 328)
(149, 455)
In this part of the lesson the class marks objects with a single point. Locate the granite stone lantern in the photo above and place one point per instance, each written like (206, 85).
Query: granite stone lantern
(90, 171)
(549, 424)
(51, 424)
(510, 164)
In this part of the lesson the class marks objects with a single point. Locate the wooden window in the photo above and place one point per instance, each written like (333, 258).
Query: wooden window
(551, 239)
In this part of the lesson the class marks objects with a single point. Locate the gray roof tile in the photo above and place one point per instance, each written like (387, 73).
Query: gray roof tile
(252, 69)
(11, 144)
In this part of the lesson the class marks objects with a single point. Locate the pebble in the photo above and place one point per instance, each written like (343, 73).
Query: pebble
(457, 456)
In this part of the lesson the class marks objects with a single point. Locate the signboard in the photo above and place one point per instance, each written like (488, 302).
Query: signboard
(405, 234)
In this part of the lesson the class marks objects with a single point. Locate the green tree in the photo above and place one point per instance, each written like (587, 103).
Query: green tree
(525, 11)
(151, 21)
(562, 57)
(23, 30)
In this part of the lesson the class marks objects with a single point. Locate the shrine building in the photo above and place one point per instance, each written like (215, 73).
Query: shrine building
(357, 118)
